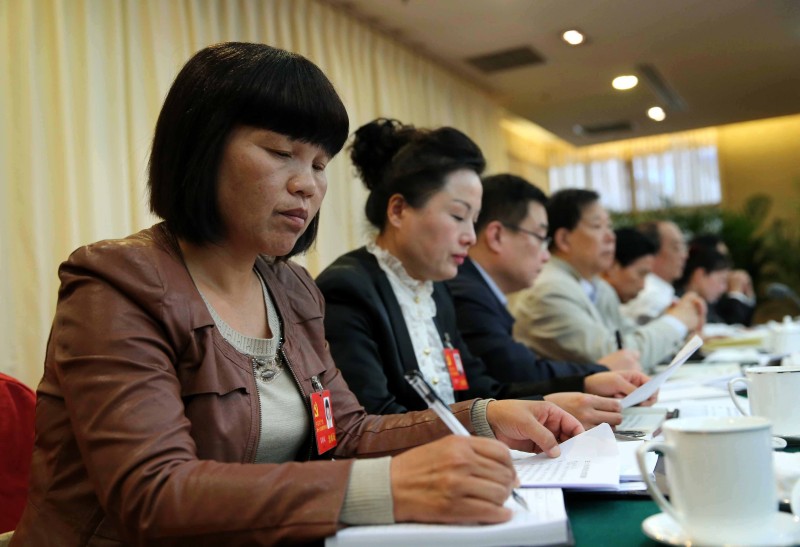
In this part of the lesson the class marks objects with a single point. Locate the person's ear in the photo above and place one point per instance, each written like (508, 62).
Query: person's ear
(697, 277)
(493, 234)
(395, 210)
(561, 240)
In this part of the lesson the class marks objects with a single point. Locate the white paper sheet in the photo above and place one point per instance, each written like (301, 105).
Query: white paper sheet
(719, 406)
(735, 355)
(544, 524)
(689, 392)
(628, 466)
(587, 460)
(643, 392)
(642, 418)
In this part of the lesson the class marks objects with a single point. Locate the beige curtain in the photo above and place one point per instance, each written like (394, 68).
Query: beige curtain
(81, 84)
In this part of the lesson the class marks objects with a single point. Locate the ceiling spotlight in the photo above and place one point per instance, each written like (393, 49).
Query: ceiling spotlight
(627, 81)
(573, 37)
(656, 113)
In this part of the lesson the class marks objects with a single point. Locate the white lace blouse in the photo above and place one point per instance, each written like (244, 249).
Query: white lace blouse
(419, 309)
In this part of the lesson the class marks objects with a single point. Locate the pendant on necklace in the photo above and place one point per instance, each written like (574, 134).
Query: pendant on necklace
(266, 369)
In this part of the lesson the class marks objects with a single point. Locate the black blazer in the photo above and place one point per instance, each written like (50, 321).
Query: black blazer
(727, 309)
(486, 327)
(370, 343)
(730, 310)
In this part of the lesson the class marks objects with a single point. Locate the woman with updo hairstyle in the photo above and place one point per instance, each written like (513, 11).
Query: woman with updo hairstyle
(187, 376)
(387, 312)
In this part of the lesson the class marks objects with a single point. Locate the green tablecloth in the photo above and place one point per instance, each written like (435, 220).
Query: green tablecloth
(598, 520)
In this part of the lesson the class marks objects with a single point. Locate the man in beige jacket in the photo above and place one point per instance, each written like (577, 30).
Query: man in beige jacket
(571, 313)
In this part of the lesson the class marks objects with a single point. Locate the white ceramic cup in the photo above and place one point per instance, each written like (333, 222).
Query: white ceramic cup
(774, 393)
(720, 477)
(785, 337)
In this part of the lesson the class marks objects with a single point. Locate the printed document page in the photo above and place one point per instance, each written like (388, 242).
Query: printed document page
(643, 392)
(587, 460)
(544, 524)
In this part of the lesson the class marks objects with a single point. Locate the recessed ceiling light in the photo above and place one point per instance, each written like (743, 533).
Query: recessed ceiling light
(656, 113)
(628, 81)
(573, 37)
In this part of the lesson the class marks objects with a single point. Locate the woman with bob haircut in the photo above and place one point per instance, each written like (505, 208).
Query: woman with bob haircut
(187, 369)
(387, 310)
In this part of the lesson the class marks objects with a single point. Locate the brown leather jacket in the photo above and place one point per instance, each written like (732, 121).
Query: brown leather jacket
(147, 420)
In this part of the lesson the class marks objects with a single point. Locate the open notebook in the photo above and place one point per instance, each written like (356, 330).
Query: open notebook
(545, 524)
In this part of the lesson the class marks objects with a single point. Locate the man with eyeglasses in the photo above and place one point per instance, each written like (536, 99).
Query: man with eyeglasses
(571, 313)
(510, 251)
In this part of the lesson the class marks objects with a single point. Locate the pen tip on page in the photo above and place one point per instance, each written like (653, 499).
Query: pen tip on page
(520, 500)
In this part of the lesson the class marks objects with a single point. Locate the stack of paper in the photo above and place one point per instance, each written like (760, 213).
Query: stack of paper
(591, 461)
(588, 460)
(544, 524)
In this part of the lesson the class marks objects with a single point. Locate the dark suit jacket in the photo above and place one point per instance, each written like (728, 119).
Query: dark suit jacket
(727, 309)
(486, 326)
(730, 310)
(370, 343)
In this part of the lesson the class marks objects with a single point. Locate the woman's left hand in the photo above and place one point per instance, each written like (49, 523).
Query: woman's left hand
(532, 426)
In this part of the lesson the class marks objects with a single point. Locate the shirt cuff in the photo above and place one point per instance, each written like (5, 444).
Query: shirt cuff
(477, 415)
(676, 324)
(741, 297)
(368, 498)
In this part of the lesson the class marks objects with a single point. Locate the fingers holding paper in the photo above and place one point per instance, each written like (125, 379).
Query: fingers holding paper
(617, 384)
(590, 410)
(453, 480)
(531, 426)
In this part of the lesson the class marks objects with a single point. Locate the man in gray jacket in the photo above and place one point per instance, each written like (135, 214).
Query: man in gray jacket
(571, 313)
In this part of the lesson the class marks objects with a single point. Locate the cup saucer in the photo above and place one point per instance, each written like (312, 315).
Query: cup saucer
(783, 530)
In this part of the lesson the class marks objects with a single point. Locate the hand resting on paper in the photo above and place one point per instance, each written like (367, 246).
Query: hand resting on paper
(453, 480)
(617, 384)
(599, 404)
(532, 426)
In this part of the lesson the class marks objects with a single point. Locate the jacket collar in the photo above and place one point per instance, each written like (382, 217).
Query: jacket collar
(394, 313)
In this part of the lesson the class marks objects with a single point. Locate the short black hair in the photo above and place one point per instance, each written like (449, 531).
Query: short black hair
(393, 158)
(710, 260)
(506, 198)
(632, 245)
(565, 207)
(706, 240)
(221, 87)
(651, 230)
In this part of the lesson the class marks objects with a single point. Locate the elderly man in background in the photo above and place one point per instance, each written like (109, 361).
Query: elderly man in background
(633, 262)
(509, 253)
(658, 293)
(570, 313)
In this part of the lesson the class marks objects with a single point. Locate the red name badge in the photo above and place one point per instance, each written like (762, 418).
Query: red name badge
(456, 369)
(324, 430)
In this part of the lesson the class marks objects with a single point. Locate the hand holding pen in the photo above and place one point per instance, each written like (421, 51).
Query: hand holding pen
(443, 411)
(461, 479)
